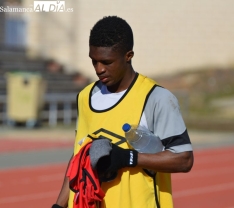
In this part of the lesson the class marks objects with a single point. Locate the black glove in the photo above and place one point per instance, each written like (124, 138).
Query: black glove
(56, 206)
(108, 166)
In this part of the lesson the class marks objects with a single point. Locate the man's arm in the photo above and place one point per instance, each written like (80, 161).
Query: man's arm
(63, 197)
(163, 116)
(166, 161)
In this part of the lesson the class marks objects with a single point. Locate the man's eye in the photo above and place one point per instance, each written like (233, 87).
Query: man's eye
(94, 62)
(106, 62)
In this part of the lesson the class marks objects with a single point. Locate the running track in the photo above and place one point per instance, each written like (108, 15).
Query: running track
(210, 184)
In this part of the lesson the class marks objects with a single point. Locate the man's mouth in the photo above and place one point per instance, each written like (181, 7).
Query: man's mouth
(103, 79)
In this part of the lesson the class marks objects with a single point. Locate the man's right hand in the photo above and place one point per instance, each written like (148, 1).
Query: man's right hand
(108, 166)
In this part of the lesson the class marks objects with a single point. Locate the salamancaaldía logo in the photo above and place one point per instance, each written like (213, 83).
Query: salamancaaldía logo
(51, 6)
(38, 6)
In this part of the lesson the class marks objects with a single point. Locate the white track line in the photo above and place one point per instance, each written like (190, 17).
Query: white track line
(203, 173)
(204, 190)
(28, 197)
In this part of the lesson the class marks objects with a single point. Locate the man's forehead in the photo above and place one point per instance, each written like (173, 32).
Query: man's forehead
(101, 52)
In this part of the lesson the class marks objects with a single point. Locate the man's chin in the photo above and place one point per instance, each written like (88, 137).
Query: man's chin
(106, 82)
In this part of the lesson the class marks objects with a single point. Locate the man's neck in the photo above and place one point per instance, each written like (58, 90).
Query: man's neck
(122, 84)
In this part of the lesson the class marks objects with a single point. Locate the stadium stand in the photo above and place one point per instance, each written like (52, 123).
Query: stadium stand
(61, 88)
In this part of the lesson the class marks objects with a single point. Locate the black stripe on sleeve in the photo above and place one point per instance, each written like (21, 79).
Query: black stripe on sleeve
(176, 140)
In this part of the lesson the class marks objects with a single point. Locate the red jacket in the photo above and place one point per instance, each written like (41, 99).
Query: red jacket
(83, 180)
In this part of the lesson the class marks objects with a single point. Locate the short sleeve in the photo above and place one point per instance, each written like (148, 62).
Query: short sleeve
(164, 118)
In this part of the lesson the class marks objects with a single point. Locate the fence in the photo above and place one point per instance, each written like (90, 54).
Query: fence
(67, 113)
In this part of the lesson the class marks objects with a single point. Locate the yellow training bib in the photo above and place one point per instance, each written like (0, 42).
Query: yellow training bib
(133, 187)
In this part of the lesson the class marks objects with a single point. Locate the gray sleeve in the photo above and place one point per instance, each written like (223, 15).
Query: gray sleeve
(163, 117)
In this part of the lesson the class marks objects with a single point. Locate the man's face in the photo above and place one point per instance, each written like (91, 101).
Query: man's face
(110, 65)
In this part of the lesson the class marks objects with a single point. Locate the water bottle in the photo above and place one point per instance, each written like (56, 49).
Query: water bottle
(141, 139)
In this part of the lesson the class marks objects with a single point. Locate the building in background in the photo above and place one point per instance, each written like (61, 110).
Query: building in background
(169, 36)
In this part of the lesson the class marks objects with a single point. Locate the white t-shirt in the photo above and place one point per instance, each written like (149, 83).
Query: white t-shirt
(104, 99)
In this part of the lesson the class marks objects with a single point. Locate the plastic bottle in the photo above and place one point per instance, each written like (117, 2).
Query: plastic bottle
(141, 139)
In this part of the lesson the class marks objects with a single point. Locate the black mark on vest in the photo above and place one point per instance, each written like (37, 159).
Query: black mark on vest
(120, 138)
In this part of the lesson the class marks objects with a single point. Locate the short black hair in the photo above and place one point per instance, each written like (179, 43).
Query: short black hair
(112, 31)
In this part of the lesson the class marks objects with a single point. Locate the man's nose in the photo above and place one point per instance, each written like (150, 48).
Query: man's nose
(99, 68)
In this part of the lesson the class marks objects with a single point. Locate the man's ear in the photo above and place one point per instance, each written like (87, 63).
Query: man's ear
(129, 55)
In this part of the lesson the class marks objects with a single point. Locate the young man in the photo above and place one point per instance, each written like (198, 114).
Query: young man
(123, 96)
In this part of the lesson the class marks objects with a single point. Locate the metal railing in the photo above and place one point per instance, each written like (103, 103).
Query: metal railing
(67, 114)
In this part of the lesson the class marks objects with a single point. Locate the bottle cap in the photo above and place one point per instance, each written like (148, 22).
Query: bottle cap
(126, 127)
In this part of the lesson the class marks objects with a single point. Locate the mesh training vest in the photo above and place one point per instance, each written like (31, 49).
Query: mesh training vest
(133, 187)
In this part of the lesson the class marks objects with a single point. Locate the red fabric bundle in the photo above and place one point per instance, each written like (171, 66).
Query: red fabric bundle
(83, 180)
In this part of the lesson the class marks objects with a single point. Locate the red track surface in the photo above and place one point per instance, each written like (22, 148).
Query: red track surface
(210, 184)
(12, 145)
(31, 187)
